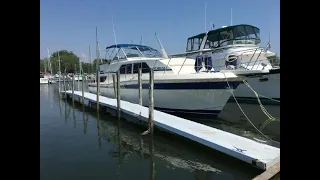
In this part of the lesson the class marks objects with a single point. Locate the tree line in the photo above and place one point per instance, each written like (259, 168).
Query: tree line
(68, 61)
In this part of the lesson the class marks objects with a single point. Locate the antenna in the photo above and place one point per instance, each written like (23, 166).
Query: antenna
(162, 49)
(97, 43)
(269, 40)
(114, 32)
(141, 41)
(205, 16)
(231, 16)
(97, 47)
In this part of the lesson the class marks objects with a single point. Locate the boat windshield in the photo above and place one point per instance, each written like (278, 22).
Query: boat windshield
(124, 51)
(230, 35)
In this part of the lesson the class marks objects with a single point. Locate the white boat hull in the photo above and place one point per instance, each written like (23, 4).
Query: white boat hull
(267, 85)
(44, 80)
(201, 102)
(204, 97)
(76, 78)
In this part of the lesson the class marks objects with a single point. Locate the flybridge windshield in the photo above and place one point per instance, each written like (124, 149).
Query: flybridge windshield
(124, 51)
(239, 34)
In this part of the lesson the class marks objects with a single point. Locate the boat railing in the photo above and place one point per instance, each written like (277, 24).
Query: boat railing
(239, 58)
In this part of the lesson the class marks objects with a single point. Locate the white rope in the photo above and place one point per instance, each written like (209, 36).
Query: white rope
(264, 110)
(269, 98)
(245, 113)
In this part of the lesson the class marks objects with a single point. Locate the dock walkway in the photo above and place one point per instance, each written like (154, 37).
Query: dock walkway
(259, 155)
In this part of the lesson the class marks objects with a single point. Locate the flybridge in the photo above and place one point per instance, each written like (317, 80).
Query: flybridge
(242, 34)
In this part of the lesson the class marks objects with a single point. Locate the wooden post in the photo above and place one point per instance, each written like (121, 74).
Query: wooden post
(151, 101)
(82, 85)
(79, 81)
(114, 85)
(73, 89)
(151, 104)
(98, 85)
(59, 74)
(64, 83)
(140, 86)
(118, 93)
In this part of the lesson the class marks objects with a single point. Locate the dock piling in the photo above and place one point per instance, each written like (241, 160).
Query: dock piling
(82, 86)
(114, 85)
(73, 89)
(140, 87)
(64, 83)
(151, 103)
(98, 85)
(118, 94)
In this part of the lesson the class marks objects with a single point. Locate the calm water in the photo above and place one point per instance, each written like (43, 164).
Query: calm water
(77, 143)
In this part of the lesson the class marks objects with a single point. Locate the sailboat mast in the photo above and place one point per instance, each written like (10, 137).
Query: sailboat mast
(90, 60)
(59, 71)
(49, 63)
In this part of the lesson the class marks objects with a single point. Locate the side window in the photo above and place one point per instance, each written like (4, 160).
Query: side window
(123, 69)
(129, 69)
(145, 68)
(136, 67)
(102, 79)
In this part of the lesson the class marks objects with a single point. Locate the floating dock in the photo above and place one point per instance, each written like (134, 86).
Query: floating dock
(259, 155)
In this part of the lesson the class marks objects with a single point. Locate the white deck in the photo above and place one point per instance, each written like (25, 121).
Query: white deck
(260, 155)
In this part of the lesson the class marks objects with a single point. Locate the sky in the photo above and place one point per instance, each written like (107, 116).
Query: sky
(71, 24)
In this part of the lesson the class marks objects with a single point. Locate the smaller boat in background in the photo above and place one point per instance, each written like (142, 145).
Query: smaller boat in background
(43, 79)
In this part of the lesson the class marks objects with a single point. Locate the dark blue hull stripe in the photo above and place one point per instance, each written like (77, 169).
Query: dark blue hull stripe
(254, 100)
(182, 86)
(190, 113)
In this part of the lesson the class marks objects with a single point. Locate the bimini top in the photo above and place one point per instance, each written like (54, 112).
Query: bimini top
(125, 46)
(237, 34)
(124, 51)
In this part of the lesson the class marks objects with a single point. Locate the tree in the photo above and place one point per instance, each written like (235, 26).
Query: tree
(101, 61)
(42, 64)
(68, 61)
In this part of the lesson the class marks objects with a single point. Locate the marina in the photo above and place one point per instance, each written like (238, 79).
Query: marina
(203, 105)
(259, 155)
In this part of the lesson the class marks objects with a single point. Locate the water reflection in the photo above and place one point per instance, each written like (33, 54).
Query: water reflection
(169, 151)
(152, 161)
(74, 117)
(85, 120)
(98, 130)
(172, 153)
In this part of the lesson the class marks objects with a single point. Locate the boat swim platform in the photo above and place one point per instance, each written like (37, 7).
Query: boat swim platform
(261, 156)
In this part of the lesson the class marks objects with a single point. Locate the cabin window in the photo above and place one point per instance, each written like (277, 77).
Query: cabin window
(136, 67)
(102, 79)
(197, 43)
(123, 69)
(129, 69)
(126, 69)
(144, 66)
(189, 44)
